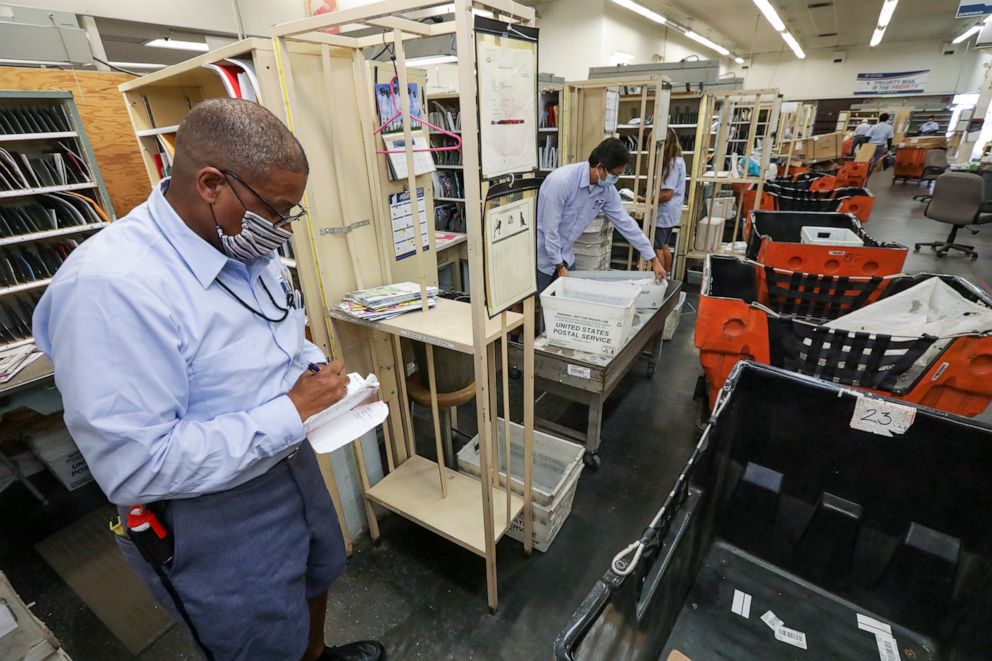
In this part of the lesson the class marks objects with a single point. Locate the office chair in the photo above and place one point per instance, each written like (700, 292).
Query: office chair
(986, 174)
(934, 165)
(957, 200)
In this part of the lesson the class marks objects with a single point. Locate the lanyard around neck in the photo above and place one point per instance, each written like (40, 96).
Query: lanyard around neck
(257, 313)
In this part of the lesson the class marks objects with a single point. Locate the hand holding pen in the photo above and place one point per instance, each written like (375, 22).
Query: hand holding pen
(318, 388)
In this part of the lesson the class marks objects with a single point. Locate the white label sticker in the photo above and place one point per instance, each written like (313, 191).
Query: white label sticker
(872, 625)
(7, 620)
(742, 604)
(771, 620)
(887, 648)
(880, 417)
(581, 372)
(791, 636)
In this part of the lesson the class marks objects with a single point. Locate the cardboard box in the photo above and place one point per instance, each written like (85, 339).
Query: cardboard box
(827, 147)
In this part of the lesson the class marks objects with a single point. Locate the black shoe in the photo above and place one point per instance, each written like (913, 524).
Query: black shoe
(363, 650)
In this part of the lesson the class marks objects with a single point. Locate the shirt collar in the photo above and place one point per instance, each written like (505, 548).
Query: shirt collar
(200, 257)
(584, 178)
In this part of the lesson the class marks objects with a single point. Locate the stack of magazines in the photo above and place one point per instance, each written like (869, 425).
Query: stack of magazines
(385, 302)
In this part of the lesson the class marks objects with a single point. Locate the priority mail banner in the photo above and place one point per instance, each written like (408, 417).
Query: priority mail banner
(896, 82)
(968, 8)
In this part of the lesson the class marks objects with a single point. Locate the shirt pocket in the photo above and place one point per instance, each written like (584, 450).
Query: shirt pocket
(227, 380)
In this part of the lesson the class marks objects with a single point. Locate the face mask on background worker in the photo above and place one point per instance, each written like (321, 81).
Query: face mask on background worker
(610, 180)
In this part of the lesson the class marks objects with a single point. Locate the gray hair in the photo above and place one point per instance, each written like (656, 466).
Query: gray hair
(237, 135)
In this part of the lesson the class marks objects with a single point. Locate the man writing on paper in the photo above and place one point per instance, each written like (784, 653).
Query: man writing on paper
(569, 201)
(179, 351)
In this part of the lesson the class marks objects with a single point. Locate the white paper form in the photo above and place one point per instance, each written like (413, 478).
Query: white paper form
(343, 422)
(402, 219)
(510, 254)
(507, 75)
(612, 110)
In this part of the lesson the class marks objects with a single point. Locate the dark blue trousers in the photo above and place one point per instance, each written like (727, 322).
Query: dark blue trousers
(246, 560)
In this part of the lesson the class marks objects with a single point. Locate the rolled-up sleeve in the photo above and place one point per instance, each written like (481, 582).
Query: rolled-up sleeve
(627, 226)
(125, 387)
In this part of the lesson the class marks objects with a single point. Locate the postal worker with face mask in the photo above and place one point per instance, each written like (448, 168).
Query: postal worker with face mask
(570, 199)
(179, 350)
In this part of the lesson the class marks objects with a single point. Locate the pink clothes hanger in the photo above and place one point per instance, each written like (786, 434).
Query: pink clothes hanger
(399, 113)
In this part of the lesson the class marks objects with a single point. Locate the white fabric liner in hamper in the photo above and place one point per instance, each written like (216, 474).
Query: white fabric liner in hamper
(929, 308)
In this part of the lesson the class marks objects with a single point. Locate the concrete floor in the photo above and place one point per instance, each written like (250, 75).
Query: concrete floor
(423, 597)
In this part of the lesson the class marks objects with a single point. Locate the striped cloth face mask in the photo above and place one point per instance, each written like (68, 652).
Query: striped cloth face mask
(258, 238)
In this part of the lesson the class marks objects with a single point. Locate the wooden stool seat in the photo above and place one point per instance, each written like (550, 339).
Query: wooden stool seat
(422, 394)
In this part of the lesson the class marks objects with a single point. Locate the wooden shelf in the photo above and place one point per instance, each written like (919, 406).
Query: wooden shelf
(449, 167)
(35, 236)
(46, 189)
(413, 491)
(14, 289)
(682, 126)
(157, 131)
(448, 324)
(191, 73)
(21, 137)
(709, 176)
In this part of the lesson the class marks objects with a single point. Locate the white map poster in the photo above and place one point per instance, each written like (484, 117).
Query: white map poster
(507, 72)
(510, 253)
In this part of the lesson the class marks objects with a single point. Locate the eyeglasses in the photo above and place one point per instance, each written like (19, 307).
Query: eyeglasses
(296, 211)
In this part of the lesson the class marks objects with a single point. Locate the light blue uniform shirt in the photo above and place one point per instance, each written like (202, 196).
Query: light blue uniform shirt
(670, 212)
(171, 388)
(567, 204)
(880, 134)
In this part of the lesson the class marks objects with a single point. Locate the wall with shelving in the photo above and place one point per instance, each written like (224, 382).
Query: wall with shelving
(51, 198)
(105, 120)
(818, 77)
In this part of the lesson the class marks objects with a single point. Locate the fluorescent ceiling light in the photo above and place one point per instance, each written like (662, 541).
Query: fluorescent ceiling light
(794, 45)
(138, 65)
(770, 14)
(884, 16)
(739, 60)
(964, 36)
(768, 11)
(431, 59)
(178, 44)
(706, 42)
(642, 10)
(888, 7)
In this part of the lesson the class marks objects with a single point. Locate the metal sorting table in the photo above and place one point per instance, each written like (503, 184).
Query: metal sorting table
(32, 388)
(590, 379)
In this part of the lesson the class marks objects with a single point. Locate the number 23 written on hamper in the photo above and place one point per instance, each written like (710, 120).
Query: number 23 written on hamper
(881, 417)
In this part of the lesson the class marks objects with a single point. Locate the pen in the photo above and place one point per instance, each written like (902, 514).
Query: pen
(313, 368)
